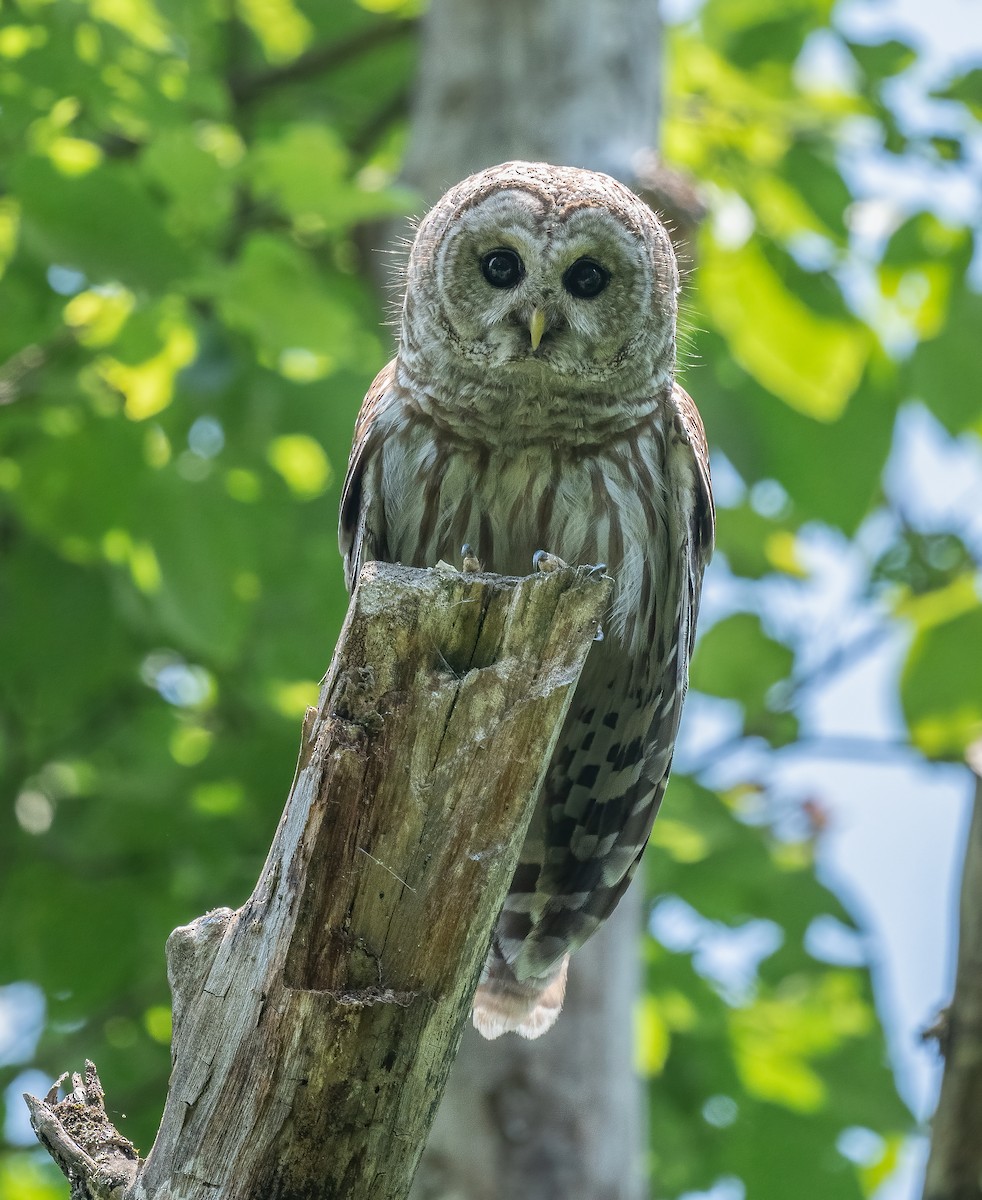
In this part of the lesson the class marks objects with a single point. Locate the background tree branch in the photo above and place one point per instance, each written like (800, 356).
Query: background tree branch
(246, 89)
(954, 1169)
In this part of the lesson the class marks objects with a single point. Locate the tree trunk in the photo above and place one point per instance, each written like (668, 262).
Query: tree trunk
(954, 1169)
(560, 1118)
(566, 81)
(574, 82)
(314, 1027)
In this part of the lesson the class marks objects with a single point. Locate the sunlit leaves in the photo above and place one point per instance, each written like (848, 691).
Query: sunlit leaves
(274, 294)
(302, 463)
(759, 1092)
(922, 264)
(939, 688)
(306, 173)
(195, 176)
(24, 1177)
(140, 20)
(171, 580)
(812, 363)
(829, 468)
(755, 1081)
(292, 698)
(147, 387)
(733, 872)
(779, 1035)
(9, 225)
(97, 317)
(18, 40)
(280, 25)
(405, 8)
(652, 1037)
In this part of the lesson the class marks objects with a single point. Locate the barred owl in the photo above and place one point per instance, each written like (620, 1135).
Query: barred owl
(532, 405)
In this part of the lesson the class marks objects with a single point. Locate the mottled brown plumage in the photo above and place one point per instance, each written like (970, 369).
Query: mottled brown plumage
(532, 405)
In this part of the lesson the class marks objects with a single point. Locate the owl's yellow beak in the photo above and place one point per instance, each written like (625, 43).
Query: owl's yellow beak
(537, 327)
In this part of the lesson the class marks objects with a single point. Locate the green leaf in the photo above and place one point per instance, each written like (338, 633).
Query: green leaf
(280, 26)
(201, 541)
(812, 363)
(77, 497)
(818, 289)
(939, 686)
(967, 88)
(924, 563)
(776, 40)
(944, 370)
(831, 470)
(25, 1177)
(883, 59)
(949, 149)
(274, 294)
(737, 660)
(103, 223)
(306, 171)
(731, 872)
(60, 644)
(924, 237)
(811, 168)
(755, 545)
(200, 189)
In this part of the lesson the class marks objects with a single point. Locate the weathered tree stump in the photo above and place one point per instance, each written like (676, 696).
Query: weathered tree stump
(315, 1026)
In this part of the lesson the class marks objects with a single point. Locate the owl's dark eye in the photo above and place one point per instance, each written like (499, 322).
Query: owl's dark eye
(502, 268)
(585, 279)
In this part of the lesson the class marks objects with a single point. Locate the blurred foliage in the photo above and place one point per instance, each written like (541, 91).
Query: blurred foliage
(187, 330)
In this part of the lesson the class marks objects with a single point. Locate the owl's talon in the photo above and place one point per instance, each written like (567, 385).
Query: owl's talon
(544, 561)
(470, 563)
(598, 569)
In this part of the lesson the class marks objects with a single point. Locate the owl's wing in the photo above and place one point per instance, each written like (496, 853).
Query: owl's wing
(702, 525)
(359, 526)
(582, 854)
(702, 531)
(698, 537)
(697, 549)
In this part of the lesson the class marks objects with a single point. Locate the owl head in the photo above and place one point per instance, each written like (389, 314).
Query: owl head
(531, 275)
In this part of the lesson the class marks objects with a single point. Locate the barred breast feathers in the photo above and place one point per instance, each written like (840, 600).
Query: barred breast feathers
(645, 489)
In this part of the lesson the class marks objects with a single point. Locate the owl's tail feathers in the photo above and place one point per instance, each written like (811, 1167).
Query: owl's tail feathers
(504, 1004)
